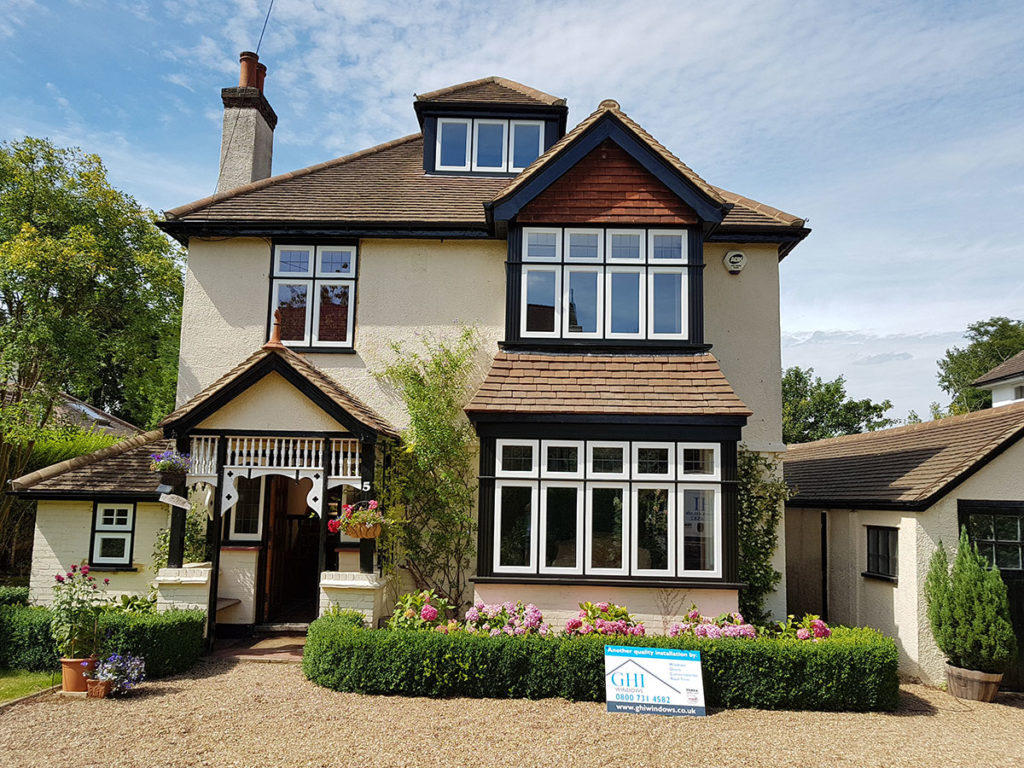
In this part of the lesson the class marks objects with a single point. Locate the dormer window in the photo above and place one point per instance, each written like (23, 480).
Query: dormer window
(487, 145)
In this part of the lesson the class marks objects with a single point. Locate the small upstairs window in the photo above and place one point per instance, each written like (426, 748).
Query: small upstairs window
(487, 145)
(453, 145)
(314, 287)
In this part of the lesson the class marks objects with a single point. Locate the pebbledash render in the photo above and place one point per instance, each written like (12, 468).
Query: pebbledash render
(629, 315)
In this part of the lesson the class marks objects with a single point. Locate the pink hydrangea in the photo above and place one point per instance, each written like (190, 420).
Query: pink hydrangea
(573, 624)
(803, 634)
(603, 607)
(428, 612)
(472, 615)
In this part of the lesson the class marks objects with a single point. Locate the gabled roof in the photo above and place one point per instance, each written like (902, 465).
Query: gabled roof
(907, 467)
(647, 385)
(337, 401)
(492, 89)
(120, 470)
(1008, 369)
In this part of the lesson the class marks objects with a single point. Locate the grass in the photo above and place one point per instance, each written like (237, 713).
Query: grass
(18, 682)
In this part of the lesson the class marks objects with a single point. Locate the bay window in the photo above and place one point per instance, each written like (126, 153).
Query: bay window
(314, 289)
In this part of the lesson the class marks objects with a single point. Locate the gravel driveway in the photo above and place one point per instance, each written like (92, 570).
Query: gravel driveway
(251, 714)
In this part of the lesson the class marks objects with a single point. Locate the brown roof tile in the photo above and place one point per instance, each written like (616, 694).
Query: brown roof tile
(908, 465)
(606, 384)
(1005, 370)
(120, 468)
(331, 388)
(490, 90)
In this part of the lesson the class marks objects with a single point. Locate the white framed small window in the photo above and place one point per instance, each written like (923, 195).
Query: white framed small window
(114, 517)
(700, 534)
(654, 461)
(608, 460)
(699, 461)
(516, 458)
(113, 533)
(653, 530)
(453, 143)
(515, 525)
(561, 527)
(542, 244)
(293, 260)
(583, 302)
(112, 548)
(607, 529)
(526, 143)
(542, 301)
(490, 145)
(562, 458)
(666, 245)
(293, 298)
(624, 314)
(626, 246)
(333, 313)
(666, 303)
(247, 514)
(336, 261)
(584, 245)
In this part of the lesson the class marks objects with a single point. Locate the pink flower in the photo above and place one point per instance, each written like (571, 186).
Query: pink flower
(803, 634)
(74, 567)
(372, 504)
(59, 578)
(106, 581)
(603, 607)
(85, 569)
(573, 624)
(428, 612)
(472, 615)
(693, 615)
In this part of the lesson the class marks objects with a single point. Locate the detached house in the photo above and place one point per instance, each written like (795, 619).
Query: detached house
(630, 311)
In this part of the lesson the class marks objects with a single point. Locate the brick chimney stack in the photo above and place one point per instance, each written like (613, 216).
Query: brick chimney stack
(247, 139)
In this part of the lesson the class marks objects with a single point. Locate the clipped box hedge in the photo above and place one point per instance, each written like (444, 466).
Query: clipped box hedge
(854, 670)
(170, 642)
(13, 595)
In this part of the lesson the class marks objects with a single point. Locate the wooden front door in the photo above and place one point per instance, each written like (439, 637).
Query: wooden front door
(998, 530)
(291, 587)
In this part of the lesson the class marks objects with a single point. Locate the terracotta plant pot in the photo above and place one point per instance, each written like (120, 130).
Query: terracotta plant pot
(359, 531)
(99, 689)
(972, 685)
(73, 679)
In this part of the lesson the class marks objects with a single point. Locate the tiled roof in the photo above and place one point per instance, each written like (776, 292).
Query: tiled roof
(671, 385)
(492, 90)
(121, 468)
(908, 465)
(1005, 370)
(332, 389)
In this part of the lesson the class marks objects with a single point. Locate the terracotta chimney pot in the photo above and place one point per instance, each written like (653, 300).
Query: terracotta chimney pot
(261, 75)
(247, 78)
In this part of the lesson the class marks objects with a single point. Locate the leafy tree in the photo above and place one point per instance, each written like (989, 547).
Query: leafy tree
(90, 298)
(813, 409)
(430, 487)
(762, 494)
(990, 342)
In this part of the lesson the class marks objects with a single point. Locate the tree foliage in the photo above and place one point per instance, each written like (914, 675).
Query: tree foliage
(430, 486)
(989, 343)
(761, 495)
(813, 409)
(968, 609)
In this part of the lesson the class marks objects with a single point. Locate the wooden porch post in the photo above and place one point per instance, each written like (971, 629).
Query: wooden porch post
(367, 460)
(213, 537)
(176, 540)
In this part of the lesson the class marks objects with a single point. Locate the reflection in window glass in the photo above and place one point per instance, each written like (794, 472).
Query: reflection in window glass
(698, 530)
(113, 547)
(336, 262)
(607, 460)
(332, 324)
(560, 536)
(584, 245)
(517, 458)
(882, 550)
(1000, 538)
(540, 300)
(652, 461)
(562, 458)
(292, 300)
(698, 461)
(515, 526)
(667, 247)
(541, 245)
(453, 143)
(583, 291)
(667, 295)
(625, 302)
(626, 246)
(652, 528)
(293, 261)
(525, 144)
(606, 528)
(490, 145)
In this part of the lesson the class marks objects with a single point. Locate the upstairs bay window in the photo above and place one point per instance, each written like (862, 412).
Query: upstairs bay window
(608, 284)
(487, 145)
(314, 288)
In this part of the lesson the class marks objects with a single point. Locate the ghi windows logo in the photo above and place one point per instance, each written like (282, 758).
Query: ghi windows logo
(662, 681)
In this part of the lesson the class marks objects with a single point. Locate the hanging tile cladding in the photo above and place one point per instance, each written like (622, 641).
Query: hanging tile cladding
(608, 186)
(607, 384)
(903, 465)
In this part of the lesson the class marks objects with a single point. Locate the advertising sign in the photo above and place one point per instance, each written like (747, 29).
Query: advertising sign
(653, 681)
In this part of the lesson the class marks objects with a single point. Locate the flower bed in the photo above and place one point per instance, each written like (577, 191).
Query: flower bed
(855, 670)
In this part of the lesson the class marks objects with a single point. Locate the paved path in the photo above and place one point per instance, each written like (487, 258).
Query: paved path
(239, 714)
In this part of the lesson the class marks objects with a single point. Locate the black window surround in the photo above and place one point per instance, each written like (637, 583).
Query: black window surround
(691, 267)
(882, 552)
(113, 522)
(997, 528)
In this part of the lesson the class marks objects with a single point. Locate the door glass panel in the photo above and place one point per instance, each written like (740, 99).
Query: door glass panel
(583, 302)
(515, 525)
(562, 521)
(606, 528)
(652, 529)
(698, 530)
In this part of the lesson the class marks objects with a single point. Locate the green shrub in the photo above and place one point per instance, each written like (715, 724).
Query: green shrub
(968, 609)
(346, 616)
(13, 595)
(170, 641)
(855, 669)
(26, 641)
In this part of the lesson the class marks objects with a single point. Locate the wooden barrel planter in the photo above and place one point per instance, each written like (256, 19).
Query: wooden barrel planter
(972, 685)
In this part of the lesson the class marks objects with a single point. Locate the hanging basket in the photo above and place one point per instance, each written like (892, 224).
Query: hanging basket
(174, 478)
(360, 531)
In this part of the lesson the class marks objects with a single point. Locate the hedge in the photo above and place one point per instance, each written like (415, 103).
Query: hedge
(170, 642)
(854, 670)
(13, 595)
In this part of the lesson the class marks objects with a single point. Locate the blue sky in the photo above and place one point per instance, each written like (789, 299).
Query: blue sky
(896, 128)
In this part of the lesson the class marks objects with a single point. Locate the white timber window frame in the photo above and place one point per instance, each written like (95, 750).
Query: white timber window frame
(531, 565)
(670, 534)
(503, 165)
(513, 125)
(114, 521)
(234, 534)
(312, 279)
(441, 123)
(542, 530)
